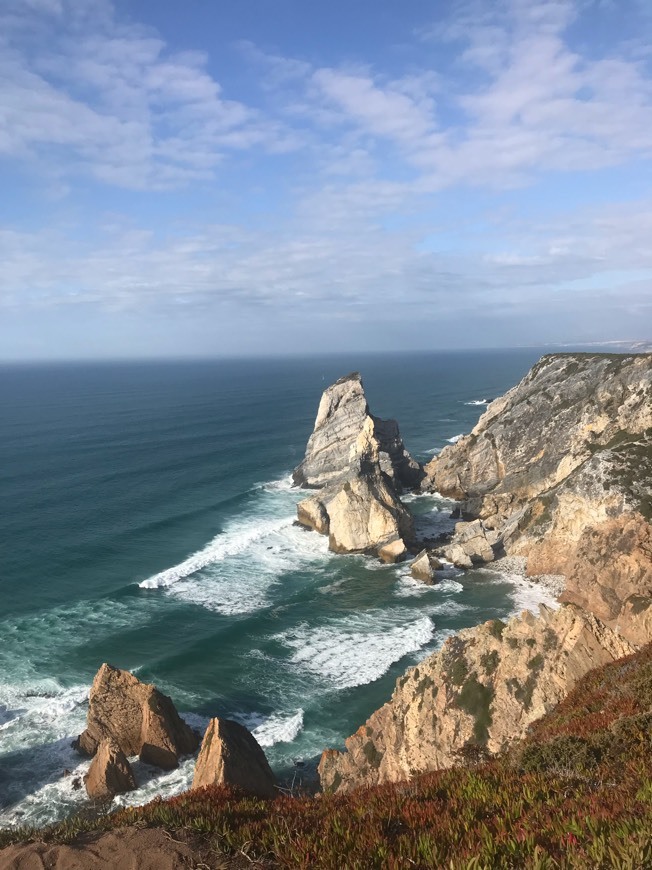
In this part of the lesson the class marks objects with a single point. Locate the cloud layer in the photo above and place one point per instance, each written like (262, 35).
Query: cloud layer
(497, 177)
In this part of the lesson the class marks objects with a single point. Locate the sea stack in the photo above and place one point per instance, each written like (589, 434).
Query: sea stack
(136, 718)
(231, 755)
(359, 465)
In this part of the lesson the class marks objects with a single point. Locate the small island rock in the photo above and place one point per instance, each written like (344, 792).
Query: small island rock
(423, 568)
(137, 718)
(231, 755)
(110, 773)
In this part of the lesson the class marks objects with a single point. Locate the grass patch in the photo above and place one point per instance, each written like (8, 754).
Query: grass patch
(575, 795)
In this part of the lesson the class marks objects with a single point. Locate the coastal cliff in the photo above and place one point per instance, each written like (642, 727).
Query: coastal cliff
(474, 697)
(558, 471)
(359, 465)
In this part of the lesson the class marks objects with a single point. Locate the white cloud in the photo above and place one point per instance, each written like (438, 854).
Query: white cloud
(355, 229)
(114, 100)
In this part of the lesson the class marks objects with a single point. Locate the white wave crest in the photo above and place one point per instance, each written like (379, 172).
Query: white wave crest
(358, 649)
(39, 721)
(227, 543)
(455, 438)
(277, 728)
(478, 402)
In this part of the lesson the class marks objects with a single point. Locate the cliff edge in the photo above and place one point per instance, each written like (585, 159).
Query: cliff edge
(558, 470)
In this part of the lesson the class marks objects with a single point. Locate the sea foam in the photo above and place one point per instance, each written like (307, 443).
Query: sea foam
(356, 649)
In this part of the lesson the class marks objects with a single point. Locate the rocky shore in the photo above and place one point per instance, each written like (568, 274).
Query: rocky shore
(554, 482)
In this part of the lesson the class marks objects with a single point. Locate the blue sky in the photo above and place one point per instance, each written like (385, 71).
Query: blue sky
(274, 176)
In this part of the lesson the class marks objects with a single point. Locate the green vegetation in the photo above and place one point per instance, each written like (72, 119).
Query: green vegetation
(496, 628)
(475, 699)
(490, 661)
(576, 794)
(458, 670)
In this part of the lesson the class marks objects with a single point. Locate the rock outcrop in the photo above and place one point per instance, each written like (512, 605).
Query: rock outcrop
(137, 718)
(342, 414)
(478, 693)
(230, 755)
(559, 470)
(110, 772)
(358, 465)
(424, 566)
(548, 470)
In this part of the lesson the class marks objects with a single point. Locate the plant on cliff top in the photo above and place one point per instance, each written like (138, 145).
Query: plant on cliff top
(594, 814)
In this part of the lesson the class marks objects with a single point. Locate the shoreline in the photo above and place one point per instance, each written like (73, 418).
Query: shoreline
(553, 583)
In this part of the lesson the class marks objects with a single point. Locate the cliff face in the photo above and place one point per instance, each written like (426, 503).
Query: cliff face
(561, 465)
(567, 408)
(558, 470)
(358, 465)
(480, 692)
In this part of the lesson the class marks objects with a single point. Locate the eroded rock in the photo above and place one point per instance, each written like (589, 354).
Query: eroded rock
(230, 755)
(394, 552)
(423, 567)
(358, 465)
(110, 772)
(559, 470)
(482, 690)
(137, 718)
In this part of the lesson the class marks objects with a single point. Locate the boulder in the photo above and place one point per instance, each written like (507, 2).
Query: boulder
(423, 567)
(137, 718)
(458, 556)
(395, 551)
(230, 755)
(110, 773)
(472, 544)
(312, 513)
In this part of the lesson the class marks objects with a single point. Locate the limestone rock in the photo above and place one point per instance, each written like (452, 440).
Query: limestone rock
(473, 545)
(559, 470)
(458, 556)
(311, 512)
(137, 718)
(230, 755)
(480, 691)
(341, 416)
(609, 572)
(364, 515)
(564, 410)
(395, 551)
(423, 568)
(357, 503)
(110, 773)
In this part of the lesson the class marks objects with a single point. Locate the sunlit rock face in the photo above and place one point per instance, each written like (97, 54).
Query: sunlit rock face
(358, 466)
(559, 470)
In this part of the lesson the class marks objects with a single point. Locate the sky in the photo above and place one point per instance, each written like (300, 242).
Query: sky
(252, 177)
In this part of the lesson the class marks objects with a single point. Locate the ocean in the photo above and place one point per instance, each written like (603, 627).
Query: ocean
(146, 520)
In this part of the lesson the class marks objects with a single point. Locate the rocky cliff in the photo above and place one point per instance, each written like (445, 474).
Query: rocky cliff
(557, 469)
(359, 465)
(480, 692)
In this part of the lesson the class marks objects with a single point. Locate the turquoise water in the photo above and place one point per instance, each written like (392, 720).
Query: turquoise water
(147, 520)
